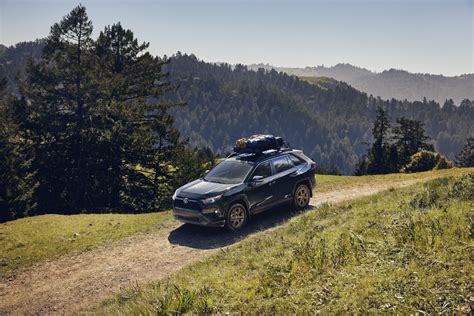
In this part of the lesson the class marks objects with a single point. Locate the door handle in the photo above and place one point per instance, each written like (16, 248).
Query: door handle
(272, 183)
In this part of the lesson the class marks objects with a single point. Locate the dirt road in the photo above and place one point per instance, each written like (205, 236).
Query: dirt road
(70, 283)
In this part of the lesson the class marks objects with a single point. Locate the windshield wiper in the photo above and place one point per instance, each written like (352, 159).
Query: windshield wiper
(215, 181)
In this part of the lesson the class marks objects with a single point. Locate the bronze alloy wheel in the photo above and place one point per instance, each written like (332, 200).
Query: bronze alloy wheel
(236, 217)
(302, 196)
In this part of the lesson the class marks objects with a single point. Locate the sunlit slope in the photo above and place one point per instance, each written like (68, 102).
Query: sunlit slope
(403, 250)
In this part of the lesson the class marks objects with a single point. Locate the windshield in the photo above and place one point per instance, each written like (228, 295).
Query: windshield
(229, 171)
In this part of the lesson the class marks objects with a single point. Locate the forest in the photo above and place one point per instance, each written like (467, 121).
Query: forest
(331, 123)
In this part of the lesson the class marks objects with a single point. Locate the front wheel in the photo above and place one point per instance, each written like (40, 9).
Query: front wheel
(236, 217)
(301, 197)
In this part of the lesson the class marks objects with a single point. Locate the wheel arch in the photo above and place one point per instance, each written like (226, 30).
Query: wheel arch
(239, 199)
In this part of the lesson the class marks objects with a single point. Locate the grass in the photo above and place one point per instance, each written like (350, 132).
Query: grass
(26, 241)
(327, 183)
(409, 250)
(322, 82)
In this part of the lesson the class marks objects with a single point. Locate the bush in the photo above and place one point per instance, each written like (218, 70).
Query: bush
(426, 160)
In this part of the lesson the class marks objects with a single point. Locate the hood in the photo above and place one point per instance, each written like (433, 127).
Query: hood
(202, 189)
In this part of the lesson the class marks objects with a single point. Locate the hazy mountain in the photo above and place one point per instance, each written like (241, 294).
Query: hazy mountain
(393, 83)
(13, 59)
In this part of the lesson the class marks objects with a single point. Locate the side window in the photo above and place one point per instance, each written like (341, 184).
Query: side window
(281, 164)
(264, 170)
(295, 160)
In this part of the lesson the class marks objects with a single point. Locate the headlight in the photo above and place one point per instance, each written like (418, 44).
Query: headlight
(212, 199)
(174, 195)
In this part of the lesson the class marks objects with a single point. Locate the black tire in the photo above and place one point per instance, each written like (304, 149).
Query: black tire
(301, 196)
(236, 217)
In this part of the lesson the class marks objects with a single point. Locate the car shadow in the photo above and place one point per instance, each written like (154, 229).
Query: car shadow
(211, 238)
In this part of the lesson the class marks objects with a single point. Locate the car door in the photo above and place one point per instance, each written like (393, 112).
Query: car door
(260, 194)
(284, 182)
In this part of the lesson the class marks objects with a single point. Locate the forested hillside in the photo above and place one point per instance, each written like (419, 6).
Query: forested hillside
(13, 60)
(392, 83)
(330, 121)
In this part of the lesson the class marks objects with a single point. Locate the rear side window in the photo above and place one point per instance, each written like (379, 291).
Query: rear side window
(264, 169)
(295, 160)
(281, 164)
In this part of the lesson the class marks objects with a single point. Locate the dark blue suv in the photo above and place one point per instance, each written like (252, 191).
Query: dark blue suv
(246, 184)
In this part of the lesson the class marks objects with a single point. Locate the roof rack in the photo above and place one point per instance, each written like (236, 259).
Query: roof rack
(269, 152)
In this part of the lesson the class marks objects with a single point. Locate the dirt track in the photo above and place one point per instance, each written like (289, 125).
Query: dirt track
(70, 283)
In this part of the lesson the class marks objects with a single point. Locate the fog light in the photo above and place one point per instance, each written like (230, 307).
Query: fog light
(213, 210)
(210, 210)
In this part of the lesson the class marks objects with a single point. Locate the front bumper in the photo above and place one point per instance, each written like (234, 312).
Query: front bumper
(196, 218)
(195, 212)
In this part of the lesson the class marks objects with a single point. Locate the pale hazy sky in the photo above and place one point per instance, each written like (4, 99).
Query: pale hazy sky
(432, 36)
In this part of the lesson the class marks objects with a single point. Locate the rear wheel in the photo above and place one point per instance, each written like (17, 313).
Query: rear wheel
(301, 197)
(236, 217)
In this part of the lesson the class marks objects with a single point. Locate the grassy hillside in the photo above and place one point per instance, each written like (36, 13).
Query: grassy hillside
(29, 240)
(326, 183)
(405, 251)
(323, 82)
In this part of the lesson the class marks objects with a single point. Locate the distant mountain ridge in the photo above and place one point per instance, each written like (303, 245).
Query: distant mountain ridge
(392, 83)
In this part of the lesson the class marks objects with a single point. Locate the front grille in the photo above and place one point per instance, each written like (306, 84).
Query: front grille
(191, 205)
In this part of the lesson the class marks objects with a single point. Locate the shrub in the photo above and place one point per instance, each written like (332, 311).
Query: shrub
(426, 160)
(443, 163)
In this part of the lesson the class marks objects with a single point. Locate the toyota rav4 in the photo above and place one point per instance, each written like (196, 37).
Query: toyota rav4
(245, 184)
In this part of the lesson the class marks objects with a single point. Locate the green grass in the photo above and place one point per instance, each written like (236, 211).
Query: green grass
(401, 251)
(327, 183)
(322, 82)
(29, 240)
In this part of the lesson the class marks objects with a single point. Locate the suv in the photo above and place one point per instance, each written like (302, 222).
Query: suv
(246, 184)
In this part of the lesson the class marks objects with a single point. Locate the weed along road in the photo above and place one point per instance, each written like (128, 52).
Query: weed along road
(73, 282)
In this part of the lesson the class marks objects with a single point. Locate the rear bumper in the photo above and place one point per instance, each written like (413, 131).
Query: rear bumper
(197, 218)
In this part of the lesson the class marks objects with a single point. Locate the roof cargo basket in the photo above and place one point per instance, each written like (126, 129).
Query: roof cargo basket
(258, 144)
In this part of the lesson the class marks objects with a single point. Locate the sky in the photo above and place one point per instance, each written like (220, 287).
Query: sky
(423, 36)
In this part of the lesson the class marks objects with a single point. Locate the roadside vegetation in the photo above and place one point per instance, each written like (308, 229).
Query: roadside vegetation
(406, 251)
(30, 240)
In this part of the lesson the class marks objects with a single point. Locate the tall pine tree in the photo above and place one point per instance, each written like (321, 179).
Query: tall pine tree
(379, 152)
(409, 138)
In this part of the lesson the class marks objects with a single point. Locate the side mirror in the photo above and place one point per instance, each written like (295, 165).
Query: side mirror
(257, 179)
(206, 172)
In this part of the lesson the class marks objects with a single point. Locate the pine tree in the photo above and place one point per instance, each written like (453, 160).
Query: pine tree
(378, 154)
(466, 157)
(133, 85)
(62, 92)
(409, 138)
